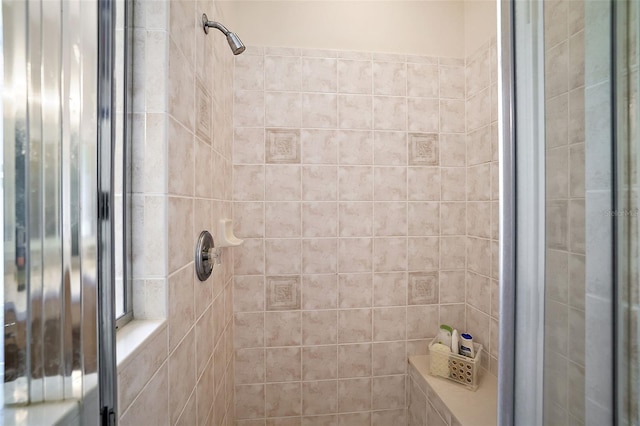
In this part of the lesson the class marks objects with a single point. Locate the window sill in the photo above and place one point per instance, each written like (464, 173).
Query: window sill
(128, 340)
(132, 336)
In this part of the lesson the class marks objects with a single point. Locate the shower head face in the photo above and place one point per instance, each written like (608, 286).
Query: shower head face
(236, 45)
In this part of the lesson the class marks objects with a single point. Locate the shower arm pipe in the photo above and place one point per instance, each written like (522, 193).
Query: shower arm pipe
(206, 24)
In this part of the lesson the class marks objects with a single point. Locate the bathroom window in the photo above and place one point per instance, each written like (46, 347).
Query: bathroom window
(121, 163)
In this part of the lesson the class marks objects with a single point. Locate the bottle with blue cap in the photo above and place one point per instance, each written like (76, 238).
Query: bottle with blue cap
(466, 345)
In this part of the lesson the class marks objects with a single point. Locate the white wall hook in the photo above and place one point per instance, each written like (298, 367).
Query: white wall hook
(225, 237)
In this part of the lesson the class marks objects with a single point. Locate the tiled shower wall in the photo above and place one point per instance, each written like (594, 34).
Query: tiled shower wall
(181, 177)
(565, 213)
(482, 293)
(350, 190)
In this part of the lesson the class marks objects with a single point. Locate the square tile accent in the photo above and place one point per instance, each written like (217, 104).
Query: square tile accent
(203, 112)
(423, 149)
(283, 292)
(423, 288)
(283, 146)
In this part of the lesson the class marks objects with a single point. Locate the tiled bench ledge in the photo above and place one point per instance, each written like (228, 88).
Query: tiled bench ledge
(434, 401)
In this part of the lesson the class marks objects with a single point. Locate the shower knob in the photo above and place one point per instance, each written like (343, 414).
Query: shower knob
(205, 256)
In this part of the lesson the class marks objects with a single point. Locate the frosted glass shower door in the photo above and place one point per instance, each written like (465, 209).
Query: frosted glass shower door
(569, 235)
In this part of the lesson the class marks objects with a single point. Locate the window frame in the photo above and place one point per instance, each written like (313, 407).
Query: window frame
(125, 139)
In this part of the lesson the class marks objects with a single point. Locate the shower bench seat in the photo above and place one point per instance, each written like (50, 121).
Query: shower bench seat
(435, 401)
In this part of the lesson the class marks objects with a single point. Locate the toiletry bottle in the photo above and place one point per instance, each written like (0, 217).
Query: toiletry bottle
(466, 345)
(444, 335)
(455, 342)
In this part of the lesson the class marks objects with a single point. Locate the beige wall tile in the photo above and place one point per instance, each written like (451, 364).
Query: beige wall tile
(250, 401)
(249, 72)
(319, 291)
(389, 358)
(423, 81)
(181, 310)
(283, 399)
(248, 218)
(248, 183)
(248, 259)
(423, 253)
(319, 183)
(423, 183)
(326, 420)
(319, 146)
(320, 397)
(282, 73)
(452, 287)
(354, 419)
(389, 78)
(390, 254)
(319, 256)
(423, 114)
(137, 373)
(282, 109)
(354, 360)
(250, 366)
(320, 219)
(355, 254)
(388, 392)
(479, 110)
(283, 364)
(248, 108)
(319, 110)
(389, 323)
(390, 148)
(422, 321)
(452, 82)
(319, 75)
(354, 290)
(180, 90)
(354, 325)
(248, 330)
(390, 183)
(152, 404)
(423, 218)
(319, 327)
(354, 112)
(452, 252)
(282, 328)
(182, 375)
(479, 292)
(282, 219)
(319, 362)
(452, 116)
(453, 183)
(355, 76)
(356, 219)
(453, 315)
(355, 183)
(390, 289)
(389, 113)
(355, 147)
(354, 395)
(283, 256)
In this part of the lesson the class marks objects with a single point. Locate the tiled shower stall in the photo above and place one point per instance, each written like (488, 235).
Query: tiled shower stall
(365, 186)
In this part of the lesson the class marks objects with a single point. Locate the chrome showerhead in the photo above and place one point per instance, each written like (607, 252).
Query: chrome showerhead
(236, 45)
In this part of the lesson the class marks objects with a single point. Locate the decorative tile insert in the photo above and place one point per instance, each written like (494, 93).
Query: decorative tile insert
(283, 292)
(203, 112)
(423, 288)
(423, 149)
(283, 146)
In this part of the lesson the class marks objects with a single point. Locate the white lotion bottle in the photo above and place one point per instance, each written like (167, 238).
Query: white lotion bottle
(455, 341)
(466, 345)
